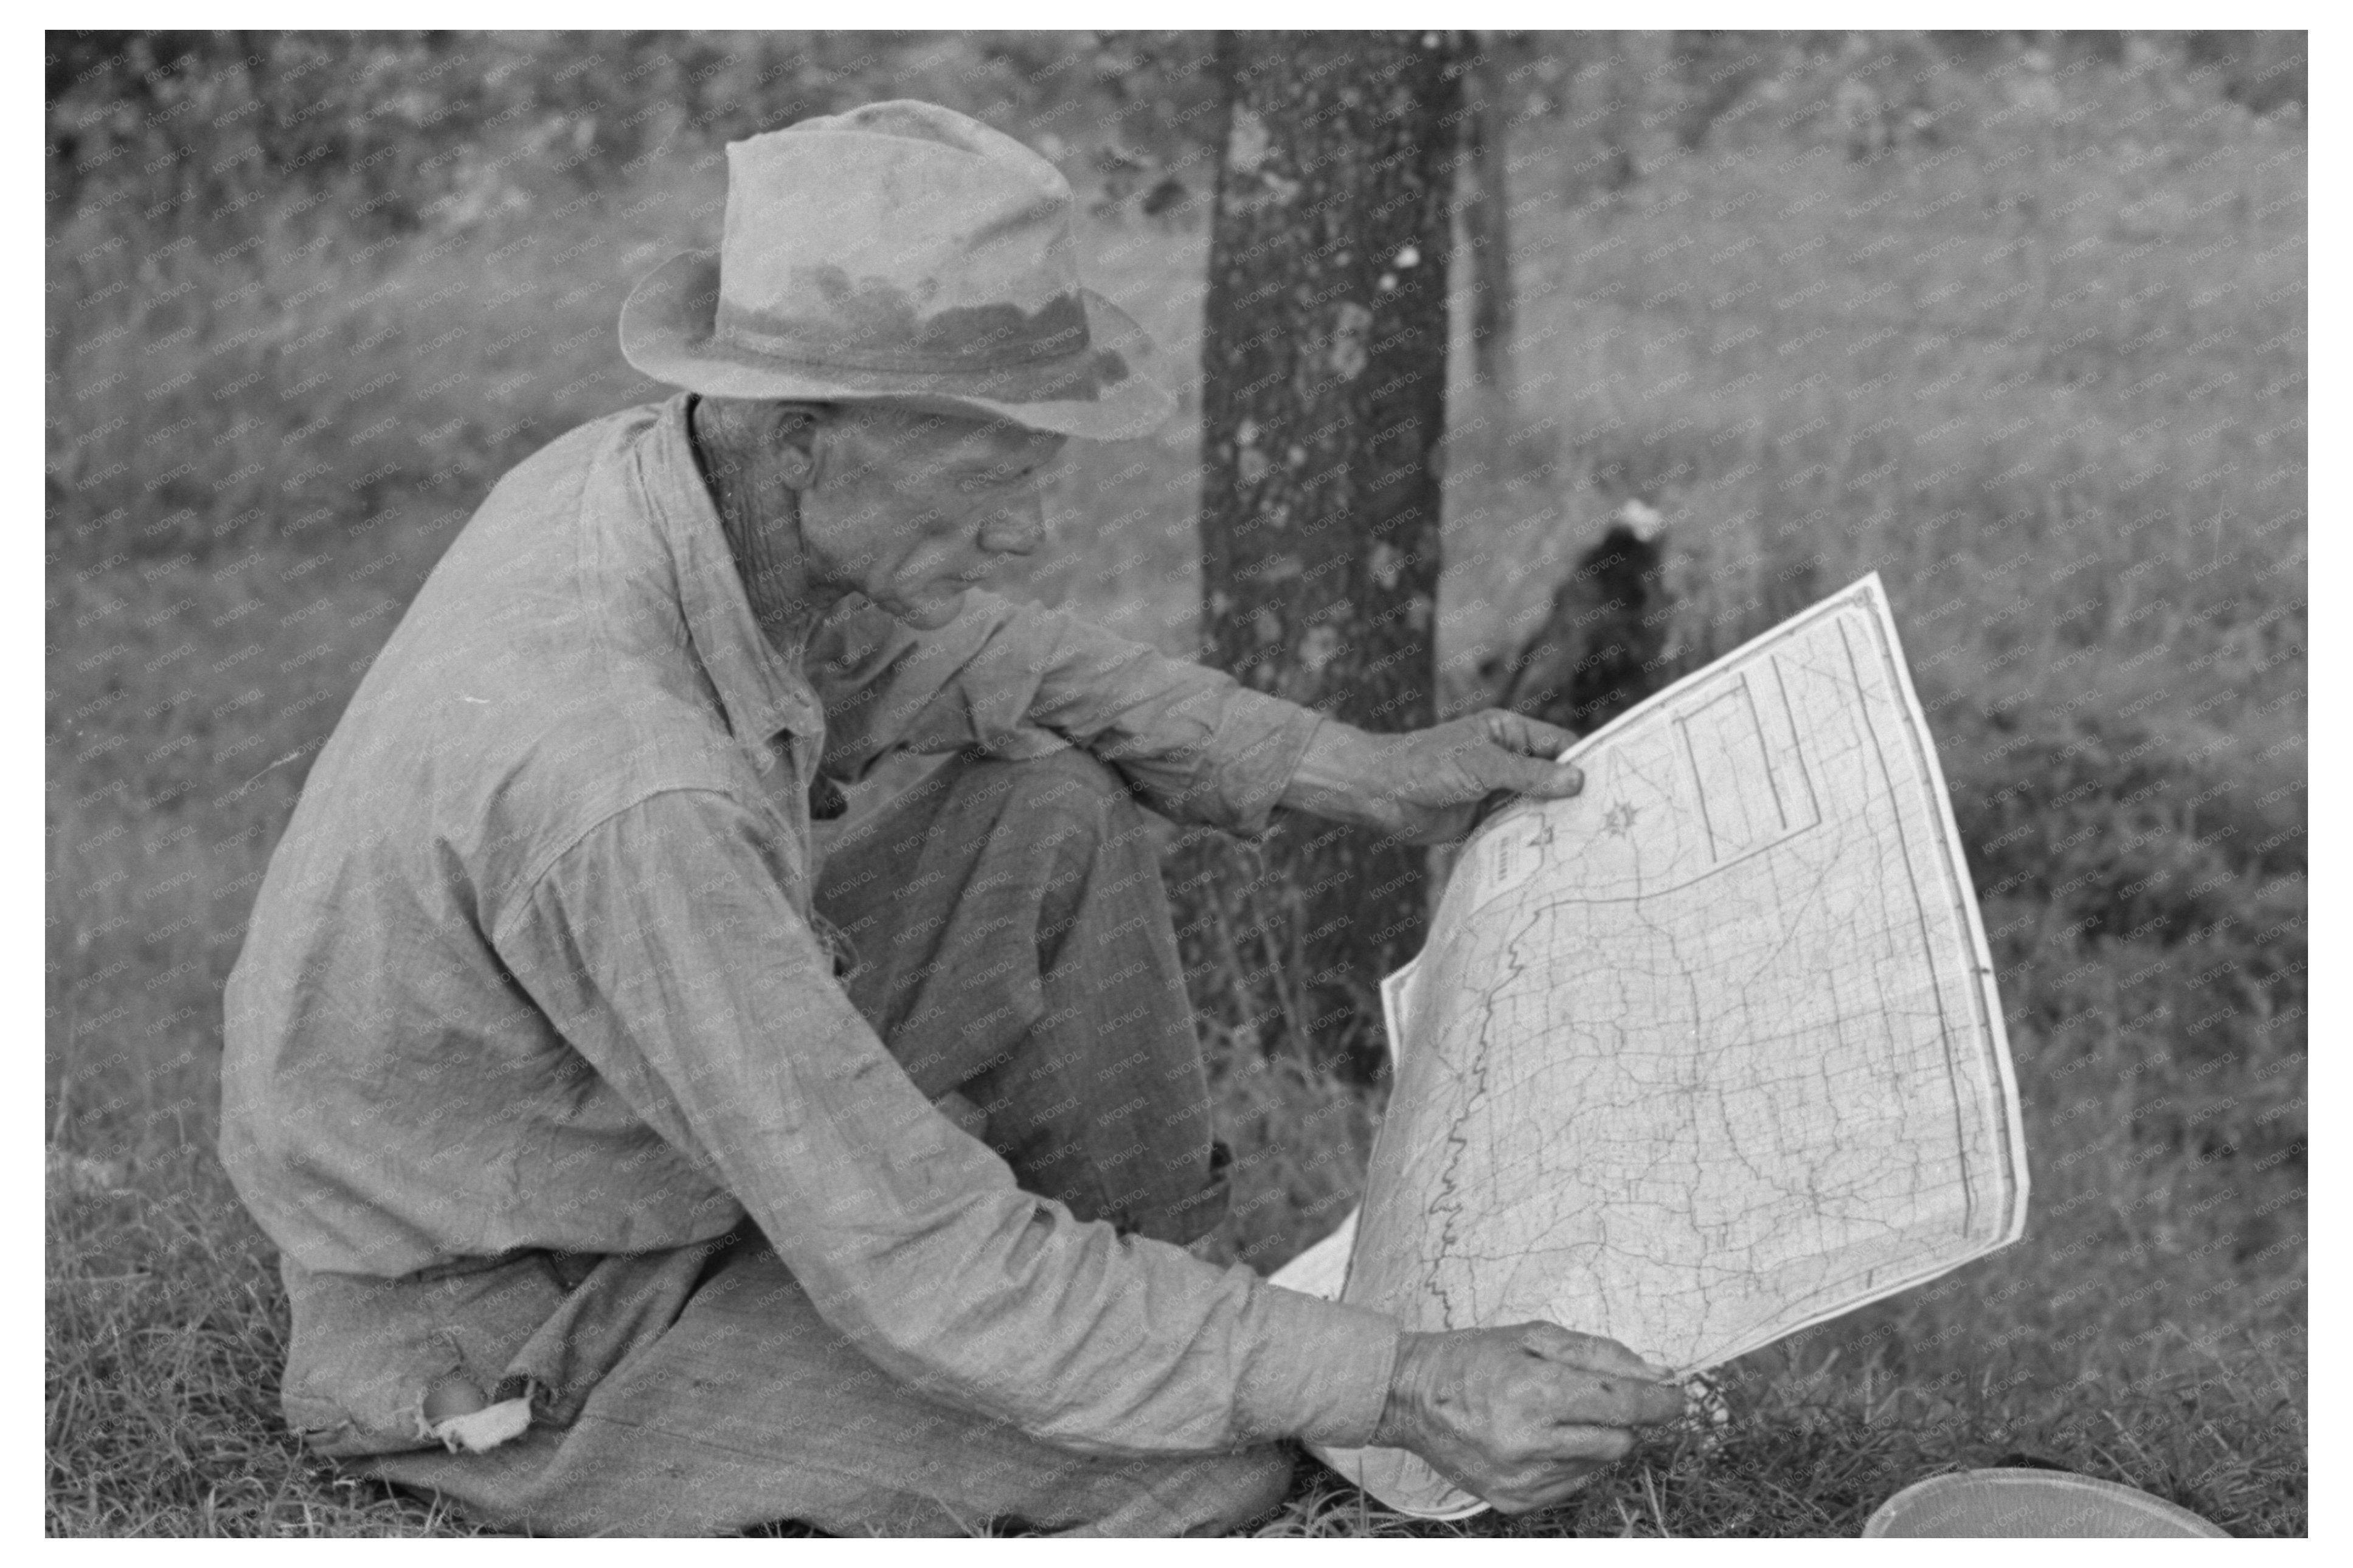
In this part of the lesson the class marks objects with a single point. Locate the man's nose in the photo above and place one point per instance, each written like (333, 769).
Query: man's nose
(1018, 529)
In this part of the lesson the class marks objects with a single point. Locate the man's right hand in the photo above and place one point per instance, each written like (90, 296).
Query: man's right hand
(1521, 1416)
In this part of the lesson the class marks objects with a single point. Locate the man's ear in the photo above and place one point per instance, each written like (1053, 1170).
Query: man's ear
(795, 437)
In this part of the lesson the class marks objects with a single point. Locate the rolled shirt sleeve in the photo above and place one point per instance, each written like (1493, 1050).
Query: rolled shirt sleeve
(1016, 680)
(664, 947)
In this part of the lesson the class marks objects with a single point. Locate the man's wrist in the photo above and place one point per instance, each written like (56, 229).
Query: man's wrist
(1327, 1375)
(1402, 1411)
(1332, 774)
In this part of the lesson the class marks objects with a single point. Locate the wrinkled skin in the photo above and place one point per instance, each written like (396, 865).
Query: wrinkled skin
(909, 508)
(1522, 1417)
(1429, 786)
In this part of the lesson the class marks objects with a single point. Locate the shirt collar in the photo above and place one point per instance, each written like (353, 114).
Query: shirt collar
(762, 690)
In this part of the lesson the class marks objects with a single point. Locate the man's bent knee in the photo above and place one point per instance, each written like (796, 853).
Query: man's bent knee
(1066, 786)
(1066, 805)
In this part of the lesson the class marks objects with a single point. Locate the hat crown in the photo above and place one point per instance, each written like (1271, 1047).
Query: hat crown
(900, 236)
(899, 253)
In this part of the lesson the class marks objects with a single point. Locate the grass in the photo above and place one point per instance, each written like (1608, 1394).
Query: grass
(2046, 378)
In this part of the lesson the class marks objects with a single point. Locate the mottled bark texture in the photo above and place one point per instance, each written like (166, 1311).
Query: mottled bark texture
(1323, 377)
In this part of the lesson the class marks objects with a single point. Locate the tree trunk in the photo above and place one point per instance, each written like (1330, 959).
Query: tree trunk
(1323, 385)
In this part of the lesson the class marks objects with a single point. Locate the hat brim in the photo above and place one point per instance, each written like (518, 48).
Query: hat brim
(666, 332)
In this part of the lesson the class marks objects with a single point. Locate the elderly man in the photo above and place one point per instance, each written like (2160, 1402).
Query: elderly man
(637, 1169)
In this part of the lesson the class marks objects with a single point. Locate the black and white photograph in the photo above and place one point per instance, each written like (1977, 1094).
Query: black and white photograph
(1440, 784)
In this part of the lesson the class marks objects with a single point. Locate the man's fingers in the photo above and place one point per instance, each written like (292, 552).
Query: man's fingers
(1494, 801)
(1578, 1398)
(1584, 1443)
(1521, 755)
(1529, 737)
(1549, 1492)
(1531, 1417)
(1499, 769)
(1599, 1381)
(1590, 1351)
(1546, 1488)
(1568, 1458)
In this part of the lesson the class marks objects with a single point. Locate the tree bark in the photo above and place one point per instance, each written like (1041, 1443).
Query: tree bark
(1323, 387)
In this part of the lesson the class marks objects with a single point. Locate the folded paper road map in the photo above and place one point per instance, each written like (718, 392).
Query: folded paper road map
(1706, 1053)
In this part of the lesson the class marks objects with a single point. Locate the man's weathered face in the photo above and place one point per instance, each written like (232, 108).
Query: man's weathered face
(913, 509)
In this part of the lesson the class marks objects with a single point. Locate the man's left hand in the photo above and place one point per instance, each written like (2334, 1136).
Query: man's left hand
(1427, 786)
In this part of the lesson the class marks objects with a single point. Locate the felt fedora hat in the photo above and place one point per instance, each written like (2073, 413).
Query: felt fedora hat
(899, 253)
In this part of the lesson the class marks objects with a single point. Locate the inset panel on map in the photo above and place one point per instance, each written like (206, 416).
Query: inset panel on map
(1742, 804)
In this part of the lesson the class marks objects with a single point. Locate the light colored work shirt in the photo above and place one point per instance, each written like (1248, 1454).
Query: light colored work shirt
(534, 973)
